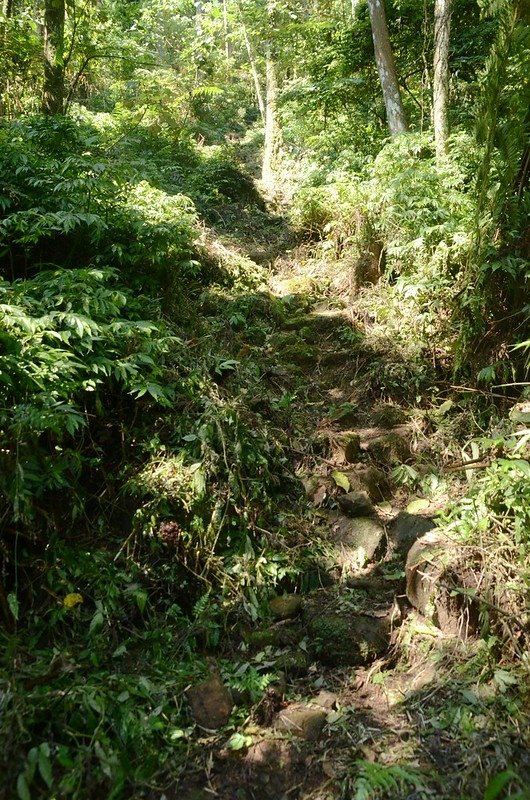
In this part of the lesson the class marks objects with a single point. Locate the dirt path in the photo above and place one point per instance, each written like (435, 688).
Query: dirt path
(368, 699)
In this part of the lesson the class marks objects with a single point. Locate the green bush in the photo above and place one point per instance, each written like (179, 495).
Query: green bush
(70, 340)
(423, 212)
(65, 201)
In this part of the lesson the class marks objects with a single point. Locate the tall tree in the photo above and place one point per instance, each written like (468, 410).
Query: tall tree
(442, 29)
(273, 133)
(253, 68)
(53, 88)
(395, 113)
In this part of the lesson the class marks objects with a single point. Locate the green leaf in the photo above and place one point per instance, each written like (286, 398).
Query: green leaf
(516, 463)
(238, 741)
(419, 504)
(96, 622)
(140, 595)
(23, 788)
(64, 758)
(504, 679)
(341, 480)
(497, 784)
(178, 733)
(13, 604)
(199, 482)
(445, 407)
(45, 767)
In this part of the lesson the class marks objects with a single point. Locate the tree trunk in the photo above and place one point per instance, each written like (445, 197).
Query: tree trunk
(226, 31)
(273, 134)
(53, 90)
(442, 27)
(253, 69)
(7, 10)
(395, 113)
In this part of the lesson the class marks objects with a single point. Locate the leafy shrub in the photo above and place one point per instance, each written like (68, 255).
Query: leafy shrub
(113, 727)
(65, 201)
(155, 231)
(220, 179)
(422, 211)
(70, 340)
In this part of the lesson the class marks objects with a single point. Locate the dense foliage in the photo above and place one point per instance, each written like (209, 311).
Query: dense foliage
(151, 492)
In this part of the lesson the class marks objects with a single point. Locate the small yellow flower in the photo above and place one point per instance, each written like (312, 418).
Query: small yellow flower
(72, 600)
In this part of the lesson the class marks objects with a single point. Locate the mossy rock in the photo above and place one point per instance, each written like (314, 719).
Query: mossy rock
(286, 606)
(366, 477)
(346, 639)
(300, 354)
(390, 449)
(280, 341)
(296, 284)
(336, 358)
(298, 322)
(264, 637)
(388, 416)
(351, 444)
(356, 504)
(406, 528)
(328, 322)
(354, 542)
(294, 664)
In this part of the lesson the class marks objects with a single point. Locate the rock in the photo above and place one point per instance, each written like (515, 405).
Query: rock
(350, 444)
(286, 606)
(435, 568)
(406, 528)
(210, 701)
(390, 449)
(371, 480)
(294, 664)
(388, 416)
(355, 504)
(426, 561)
(304, 721)
(356, 541)
(327, 700)
(262, 753)
(343, 638)
(264, 637)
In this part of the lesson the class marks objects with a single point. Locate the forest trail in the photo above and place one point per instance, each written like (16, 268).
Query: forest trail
(367, 700)
(264, 401)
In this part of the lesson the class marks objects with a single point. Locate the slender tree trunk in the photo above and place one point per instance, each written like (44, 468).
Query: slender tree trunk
(7, 10)
(53, 90)
(273, 134)
(395, 113)
(254, 71)
(226, 31)
(199, 33)
(442, 28)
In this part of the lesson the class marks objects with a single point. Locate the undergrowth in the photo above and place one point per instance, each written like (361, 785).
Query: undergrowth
(140, 481)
